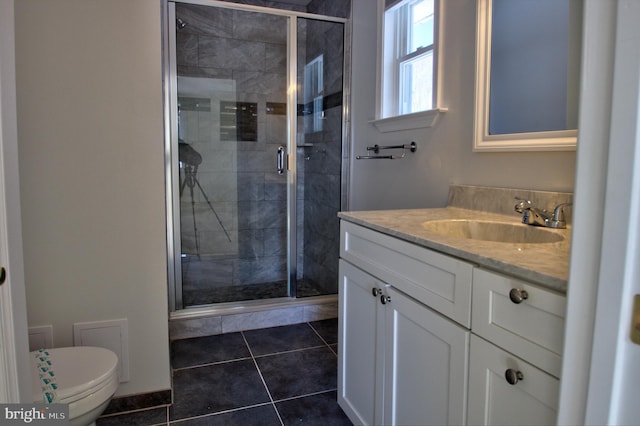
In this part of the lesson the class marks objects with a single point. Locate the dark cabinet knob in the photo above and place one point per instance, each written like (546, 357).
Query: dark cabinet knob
(513, 376)
(517, 295)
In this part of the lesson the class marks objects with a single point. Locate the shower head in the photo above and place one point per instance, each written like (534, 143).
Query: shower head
(180, 24)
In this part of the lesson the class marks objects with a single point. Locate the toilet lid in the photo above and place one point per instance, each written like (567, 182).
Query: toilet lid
(74, 372)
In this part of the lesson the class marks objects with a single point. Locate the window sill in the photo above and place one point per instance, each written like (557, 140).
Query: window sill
(417, 120)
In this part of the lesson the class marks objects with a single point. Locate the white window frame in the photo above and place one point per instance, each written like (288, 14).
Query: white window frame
(388, 115)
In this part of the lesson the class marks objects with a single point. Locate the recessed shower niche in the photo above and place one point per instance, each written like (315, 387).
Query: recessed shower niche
(239, 229)
(239, 121)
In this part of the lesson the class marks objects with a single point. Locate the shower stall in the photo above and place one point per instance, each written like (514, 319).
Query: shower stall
(255, 149)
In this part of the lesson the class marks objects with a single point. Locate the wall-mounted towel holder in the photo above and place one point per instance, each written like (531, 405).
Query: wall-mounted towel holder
(412, 147)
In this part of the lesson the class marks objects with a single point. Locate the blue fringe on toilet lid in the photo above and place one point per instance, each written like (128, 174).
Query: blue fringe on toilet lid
(47, 376)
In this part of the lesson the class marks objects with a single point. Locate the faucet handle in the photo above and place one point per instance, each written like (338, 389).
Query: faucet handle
(557, 220)
(521, 205)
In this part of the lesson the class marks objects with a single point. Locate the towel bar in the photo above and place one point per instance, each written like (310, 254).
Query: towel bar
(377, 148)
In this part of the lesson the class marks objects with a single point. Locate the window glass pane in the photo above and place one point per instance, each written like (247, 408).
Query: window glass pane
(421, 24)
(408, 55)
(416, 90)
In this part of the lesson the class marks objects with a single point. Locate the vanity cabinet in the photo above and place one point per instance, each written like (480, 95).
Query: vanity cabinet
(516, 351)
(426, 338)
(403, 350)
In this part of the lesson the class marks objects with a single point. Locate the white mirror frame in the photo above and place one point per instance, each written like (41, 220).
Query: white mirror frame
(564, 140)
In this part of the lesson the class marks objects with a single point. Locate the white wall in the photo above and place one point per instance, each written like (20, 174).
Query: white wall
(89, 88)
(444, 153)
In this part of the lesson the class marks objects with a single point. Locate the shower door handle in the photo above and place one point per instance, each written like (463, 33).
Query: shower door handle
(281, 159)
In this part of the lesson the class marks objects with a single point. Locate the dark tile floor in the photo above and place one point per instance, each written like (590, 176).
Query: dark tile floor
(274, 376)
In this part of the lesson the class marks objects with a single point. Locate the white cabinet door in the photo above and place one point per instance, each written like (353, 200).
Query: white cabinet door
(426, 362)
(359, 366)
(532, 400)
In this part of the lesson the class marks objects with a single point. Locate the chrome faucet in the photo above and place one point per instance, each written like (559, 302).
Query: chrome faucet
(557, 220)
(541, 217)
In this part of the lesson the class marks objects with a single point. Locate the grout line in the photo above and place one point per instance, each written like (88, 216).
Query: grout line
(290, 351)
(332, 350)
(320, 336)
(227, 361)
(323, 339)
(202, 416)
(306, 395)
(262, 378)
(134, 411)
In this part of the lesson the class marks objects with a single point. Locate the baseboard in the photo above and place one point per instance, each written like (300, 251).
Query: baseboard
(141, 401)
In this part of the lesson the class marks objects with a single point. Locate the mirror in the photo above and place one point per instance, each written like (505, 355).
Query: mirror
(527, 75)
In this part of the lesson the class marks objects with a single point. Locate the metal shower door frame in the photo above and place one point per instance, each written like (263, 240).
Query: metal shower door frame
(174, 266)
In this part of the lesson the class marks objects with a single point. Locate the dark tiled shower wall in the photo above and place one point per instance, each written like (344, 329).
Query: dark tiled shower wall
(260, 215)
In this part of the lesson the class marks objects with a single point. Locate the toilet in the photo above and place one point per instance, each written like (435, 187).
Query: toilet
(84, 377)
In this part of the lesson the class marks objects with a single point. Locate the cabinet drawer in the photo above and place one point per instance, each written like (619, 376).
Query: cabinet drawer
(532, 329)
(532, 400)
(441, 282)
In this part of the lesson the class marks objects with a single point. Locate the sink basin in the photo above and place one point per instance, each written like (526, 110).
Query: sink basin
(501, 232)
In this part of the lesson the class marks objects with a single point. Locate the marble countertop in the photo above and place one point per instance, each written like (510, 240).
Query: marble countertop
(546, 264)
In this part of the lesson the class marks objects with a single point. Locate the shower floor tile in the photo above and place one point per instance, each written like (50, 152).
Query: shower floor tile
(233, 293)
(274, 376)
(207, 280)
(205, 294)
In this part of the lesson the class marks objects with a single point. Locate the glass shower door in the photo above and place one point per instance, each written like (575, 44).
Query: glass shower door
(232, 69)
(247, 83)
(320, 64)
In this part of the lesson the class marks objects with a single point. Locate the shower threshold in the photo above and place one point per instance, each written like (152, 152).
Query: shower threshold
(229, 317)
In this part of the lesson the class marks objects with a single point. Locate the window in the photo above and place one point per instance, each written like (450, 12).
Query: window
(409, 57)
